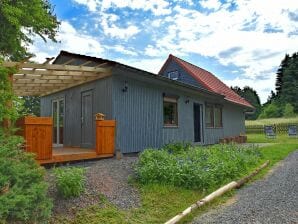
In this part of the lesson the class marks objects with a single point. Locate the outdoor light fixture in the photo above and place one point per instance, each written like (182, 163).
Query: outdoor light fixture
(125, 87)
(187, 100)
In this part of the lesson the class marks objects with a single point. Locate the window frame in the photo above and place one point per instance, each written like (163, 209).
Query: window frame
(214, 118)
(171, 73)
(174, 101)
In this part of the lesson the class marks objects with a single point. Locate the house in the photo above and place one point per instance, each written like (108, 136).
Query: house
(181, 103)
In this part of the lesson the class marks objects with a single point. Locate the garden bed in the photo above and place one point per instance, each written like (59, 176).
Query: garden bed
(106, 179)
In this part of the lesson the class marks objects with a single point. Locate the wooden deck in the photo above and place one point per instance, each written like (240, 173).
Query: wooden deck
(68, 154)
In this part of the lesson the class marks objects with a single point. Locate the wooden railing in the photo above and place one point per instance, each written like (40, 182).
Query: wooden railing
(105, 136)
(37, 132)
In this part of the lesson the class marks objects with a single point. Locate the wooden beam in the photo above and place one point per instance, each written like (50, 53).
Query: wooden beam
(56, 67)
(67, 62)
(55, 72)
(48, 60)
(86, 63)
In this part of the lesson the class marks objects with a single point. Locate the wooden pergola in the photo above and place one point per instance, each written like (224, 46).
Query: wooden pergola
(33, 79)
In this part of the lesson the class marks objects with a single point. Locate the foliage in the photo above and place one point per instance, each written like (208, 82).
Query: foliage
(7, 96)
(271, 111)
(70, 181)
(23, 192)
(31, 105)
(289, 111)
(197, 168)
(19, 20)
(280, 73)
(161, 202)
(252, 97)
(288, 91)
(177, 147)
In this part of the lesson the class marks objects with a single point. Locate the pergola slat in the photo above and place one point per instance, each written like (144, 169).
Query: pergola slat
(56, 72)
(56, 67)
(41, 79)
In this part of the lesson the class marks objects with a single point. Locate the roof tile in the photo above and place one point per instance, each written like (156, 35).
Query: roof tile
(211, 82)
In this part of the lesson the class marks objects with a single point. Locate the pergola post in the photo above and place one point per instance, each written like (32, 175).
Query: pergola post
(7, 122)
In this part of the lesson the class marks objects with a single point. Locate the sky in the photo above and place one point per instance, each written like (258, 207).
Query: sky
(242, 42)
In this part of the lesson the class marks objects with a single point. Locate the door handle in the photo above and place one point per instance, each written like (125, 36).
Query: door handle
(82, 120)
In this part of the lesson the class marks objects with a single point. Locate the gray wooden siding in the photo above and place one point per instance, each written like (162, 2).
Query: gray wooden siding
(183, 76)
(139, 115)
(102, 103)
(233, 120)
(139, 112)
(233, 124)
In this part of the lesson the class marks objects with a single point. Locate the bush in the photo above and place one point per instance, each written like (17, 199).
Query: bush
(23, 191)
(70, 181)
(198, 167)
(289, 111)
(270, 111)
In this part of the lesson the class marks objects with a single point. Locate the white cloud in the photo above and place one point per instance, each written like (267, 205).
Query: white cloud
(123, 50)
(150, 65)
(91, 4)
(157, 7)
(70, 40)
(257, 53)
(211, 4)
(111, 29)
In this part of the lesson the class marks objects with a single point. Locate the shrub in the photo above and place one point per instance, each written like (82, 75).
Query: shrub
(70, 181)
(23, 191)
(289, 111)
(270, 111)
(196, 168)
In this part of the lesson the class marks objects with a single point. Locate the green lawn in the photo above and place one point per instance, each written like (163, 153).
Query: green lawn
(268, 121)
(280, 138)
(159, 203)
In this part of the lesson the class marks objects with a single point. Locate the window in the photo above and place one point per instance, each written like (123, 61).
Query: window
(213, 116)
(173, 75)
(209, 116)
(217, 116)
(170, 112)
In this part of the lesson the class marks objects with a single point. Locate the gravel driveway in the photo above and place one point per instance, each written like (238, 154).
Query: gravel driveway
(108, 177)
(271, 200)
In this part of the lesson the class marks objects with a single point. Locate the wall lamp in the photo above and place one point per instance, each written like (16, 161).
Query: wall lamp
(125, 87)
(187, 100)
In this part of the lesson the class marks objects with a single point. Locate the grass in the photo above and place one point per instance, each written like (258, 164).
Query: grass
(159, 202)
(280, 138)
(268, 121)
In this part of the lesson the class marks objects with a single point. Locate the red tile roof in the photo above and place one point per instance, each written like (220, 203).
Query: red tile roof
(209, 81)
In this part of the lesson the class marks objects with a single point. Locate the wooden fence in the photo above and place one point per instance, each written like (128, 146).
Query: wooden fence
(37, 132)
(259, 129)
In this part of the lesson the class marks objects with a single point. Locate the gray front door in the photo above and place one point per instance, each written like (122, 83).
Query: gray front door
(87, 119)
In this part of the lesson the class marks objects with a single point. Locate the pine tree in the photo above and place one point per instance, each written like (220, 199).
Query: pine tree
(280, 72)
(289, 90)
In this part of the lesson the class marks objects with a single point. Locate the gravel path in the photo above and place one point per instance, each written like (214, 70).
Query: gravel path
(271, 200)
(108, 177)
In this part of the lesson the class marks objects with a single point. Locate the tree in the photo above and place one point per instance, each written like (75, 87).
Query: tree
(31, 105)
(289, 93)
(23, 192)
(289, 111)
(19, 21)
(252, 97)
(270, 111)
(279, 74)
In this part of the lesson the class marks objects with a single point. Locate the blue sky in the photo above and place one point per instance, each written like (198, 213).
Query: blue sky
(241, 42)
